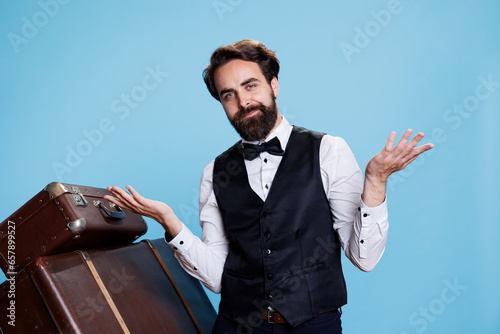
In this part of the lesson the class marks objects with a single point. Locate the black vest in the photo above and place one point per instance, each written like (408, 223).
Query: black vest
(282, 252)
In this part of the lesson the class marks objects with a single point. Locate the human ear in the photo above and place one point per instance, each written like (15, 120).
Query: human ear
(275, 86)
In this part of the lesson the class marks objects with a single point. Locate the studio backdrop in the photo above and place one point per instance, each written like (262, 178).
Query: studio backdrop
(104, 93)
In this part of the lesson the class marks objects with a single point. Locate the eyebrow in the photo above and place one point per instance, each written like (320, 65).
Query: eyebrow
(248, 81)
(228, 90)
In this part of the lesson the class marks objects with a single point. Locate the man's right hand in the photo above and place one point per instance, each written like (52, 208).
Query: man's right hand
(156, 210)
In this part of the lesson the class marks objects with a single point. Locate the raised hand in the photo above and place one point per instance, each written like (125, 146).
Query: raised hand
(388, 161)
(156, 210)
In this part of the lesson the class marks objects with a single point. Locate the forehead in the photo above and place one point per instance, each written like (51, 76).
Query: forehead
(233, 73)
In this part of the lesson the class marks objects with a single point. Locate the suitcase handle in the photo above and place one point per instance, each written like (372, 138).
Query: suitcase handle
(109, 213)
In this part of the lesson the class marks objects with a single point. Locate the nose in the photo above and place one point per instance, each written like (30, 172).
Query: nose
(244, 99)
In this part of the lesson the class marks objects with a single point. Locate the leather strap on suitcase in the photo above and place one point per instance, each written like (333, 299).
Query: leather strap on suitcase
(115, 290)
(174, 284)
(104, 291)
(109, 300)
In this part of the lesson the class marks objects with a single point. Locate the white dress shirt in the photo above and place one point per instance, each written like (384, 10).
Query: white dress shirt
(362, 230)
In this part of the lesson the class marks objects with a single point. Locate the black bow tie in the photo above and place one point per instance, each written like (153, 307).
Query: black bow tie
(251, 151)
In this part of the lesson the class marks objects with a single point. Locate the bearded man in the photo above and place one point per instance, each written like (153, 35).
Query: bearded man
(277, 207)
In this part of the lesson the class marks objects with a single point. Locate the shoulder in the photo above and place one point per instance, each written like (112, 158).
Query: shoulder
(300, 131)
(206, 175)
(333, 141)
(327, 141)
(224, 155)
(334, 145)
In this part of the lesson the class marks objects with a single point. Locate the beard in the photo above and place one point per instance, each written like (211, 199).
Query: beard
(259, 126)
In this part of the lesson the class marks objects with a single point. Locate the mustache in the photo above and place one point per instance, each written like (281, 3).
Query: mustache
(243, 111)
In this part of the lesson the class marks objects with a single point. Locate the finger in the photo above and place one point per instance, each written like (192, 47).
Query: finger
(402, 142)
(119, 192)
(114, 190)
(418, 137)
(390, 141)
(123, 196)
(117, 202)
(141, 200)
(408, 150)
(415, 153)
(135, 194)
(408, 162)
(114, 200)
(423, 148)
(112, 197)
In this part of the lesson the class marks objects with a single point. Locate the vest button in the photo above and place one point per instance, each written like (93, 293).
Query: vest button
(267, 235)
(270, 276)
(268, 251)
(269, 297)
(266, 213)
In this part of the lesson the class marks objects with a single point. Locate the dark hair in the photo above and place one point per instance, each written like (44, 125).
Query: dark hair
(246, 49)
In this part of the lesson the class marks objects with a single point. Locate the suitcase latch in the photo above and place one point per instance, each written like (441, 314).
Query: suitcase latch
(79, 198)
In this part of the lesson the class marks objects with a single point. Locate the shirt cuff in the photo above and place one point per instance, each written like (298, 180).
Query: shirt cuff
(182, 241)
(376, 213)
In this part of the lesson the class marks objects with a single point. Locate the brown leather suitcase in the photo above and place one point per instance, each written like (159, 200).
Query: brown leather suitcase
(24, 309)
(62, 218)
(138, 288)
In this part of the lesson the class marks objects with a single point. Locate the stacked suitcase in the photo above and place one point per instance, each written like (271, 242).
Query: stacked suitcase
(71, 267)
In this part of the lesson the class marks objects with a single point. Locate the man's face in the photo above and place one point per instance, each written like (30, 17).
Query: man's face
(248, 99)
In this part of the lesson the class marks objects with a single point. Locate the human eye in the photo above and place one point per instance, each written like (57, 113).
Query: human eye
(228, 96)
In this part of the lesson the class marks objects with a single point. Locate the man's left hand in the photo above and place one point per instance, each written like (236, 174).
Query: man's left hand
(388, 161)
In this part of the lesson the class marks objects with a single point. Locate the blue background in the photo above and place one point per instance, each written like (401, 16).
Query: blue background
(348, 69)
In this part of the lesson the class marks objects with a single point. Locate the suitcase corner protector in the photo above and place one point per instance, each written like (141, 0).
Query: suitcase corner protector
(56, 189)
